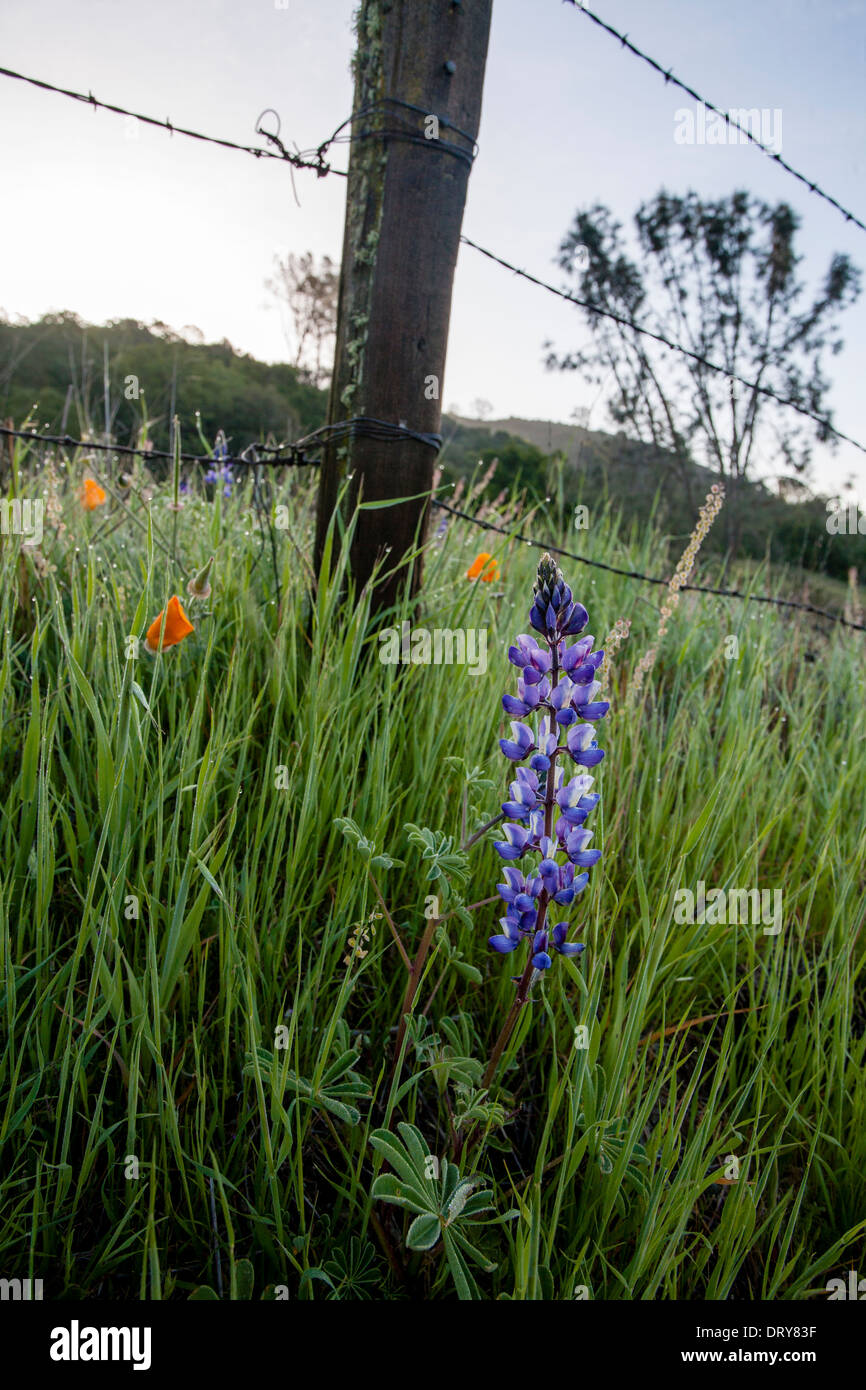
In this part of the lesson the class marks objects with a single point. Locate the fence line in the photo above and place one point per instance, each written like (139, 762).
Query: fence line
(292, 454)
(297, 453)
(296, 456)
(648, 578)
(66, 441)
(315, 160)
(298, 161)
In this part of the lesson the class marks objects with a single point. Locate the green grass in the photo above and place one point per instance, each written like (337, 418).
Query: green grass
(174, 890)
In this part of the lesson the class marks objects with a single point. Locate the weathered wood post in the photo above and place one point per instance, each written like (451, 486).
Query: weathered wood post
(419, 71)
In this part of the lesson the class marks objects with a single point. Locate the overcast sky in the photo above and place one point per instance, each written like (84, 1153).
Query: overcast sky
(110, 219)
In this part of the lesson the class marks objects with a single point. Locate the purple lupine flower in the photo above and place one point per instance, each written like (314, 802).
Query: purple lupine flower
(509, 941)
(221, 472)
(523, 742)
(557, 690)
(565, 948)
(515, 842)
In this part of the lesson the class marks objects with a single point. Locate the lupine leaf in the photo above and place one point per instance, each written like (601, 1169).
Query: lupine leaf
(424, 1232)
(388, 1188)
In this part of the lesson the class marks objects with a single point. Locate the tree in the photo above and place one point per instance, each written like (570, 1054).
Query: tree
(719, 277)
(309, 293)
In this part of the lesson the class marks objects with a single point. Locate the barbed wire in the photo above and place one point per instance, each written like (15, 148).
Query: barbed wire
(313, 158)
(648, 578)
(295, 454)
(668, 343)
(297, 161)
(667, 74)
(368, 427)
(67, 441)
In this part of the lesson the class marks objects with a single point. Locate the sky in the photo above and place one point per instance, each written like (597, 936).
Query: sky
(110, 219)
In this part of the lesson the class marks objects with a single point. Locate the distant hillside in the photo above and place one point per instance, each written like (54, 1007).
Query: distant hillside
(59, 363)
(550, 436)
(575, 465)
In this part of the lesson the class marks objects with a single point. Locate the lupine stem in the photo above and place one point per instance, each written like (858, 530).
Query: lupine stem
(488, 825)
(511, 1018)
(415, 971)
(404, 956)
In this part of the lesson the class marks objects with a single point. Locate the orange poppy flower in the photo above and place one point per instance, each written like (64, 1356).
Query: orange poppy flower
(92, 495)
(484, 566)
(177, 626)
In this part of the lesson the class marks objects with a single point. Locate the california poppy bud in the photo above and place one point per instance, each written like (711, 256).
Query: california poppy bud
(198, 586)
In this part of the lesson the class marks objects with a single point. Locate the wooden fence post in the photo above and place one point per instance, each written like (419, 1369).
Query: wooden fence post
(419, 71)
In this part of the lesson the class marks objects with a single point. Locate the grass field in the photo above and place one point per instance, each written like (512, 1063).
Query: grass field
(198, 1067)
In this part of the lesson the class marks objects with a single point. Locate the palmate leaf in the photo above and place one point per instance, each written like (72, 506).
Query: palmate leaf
(396, 1155)
(471, 1250)
(462, 1193)
(365, 848)
(476, 1202)
(467, 1289)
(338, 1086)
(444, 1205)
(438, 852)
(417, 1149)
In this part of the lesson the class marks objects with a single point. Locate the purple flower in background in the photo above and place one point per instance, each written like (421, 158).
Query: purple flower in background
(555, 711)
(221, 472)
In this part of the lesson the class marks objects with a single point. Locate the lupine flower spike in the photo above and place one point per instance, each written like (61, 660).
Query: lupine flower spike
(556, 711)
(177, 626)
